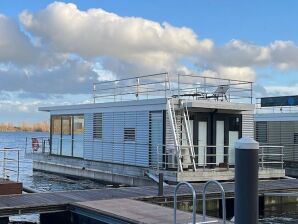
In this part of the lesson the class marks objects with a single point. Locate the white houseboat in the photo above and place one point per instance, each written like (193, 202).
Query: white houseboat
(184, 126)
(276, 123)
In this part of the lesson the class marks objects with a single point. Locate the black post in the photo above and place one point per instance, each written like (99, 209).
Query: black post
(160, 184)
(246, 181)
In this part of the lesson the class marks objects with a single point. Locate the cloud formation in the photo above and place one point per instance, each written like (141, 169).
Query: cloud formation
(58, 50)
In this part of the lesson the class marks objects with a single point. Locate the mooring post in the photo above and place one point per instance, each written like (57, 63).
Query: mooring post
(160, 184)
(246, 181)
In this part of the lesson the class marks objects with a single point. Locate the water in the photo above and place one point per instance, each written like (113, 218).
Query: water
(39, 180)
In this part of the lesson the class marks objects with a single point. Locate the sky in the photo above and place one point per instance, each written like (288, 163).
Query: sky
(52, 52)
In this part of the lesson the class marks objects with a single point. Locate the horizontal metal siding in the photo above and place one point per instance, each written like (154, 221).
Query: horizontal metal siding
(118, 149)
(261, 132)
(88, 136)
(130, 146)
(142, 139)
(107, 136)
(156, 137)
(248, 125)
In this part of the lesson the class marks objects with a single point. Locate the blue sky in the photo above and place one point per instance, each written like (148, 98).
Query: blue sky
(44, 44)
(255, 21)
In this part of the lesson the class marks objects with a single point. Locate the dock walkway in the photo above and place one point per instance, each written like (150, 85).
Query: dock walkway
(59, 201)
(132, 211)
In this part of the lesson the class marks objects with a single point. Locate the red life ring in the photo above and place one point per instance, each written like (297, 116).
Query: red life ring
(35, 144)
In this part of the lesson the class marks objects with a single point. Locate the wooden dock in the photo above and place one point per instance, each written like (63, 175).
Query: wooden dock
(59, 201)
(132, 211)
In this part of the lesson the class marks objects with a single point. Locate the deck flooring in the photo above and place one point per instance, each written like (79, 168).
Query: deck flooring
(134, 211)
(58, 201)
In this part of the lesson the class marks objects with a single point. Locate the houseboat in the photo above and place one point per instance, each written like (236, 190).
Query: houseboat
(276, 123)
(183, 126)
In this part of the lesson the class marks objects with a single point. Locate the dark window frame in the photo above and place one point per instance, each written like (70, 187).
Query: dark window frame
(97, 126)
(129, 134)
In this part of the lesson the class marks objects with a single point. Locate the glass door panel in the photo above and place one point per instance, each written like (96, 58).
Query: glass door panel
(220, 141)
(202, 142)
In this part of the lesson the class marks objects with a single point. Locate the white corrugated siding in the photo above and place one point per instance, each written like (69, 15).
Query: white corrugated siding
(118, 150)
(112, 147)
(88, 136)
(248, 125)
(107, 136)
(129, 146)
(156, 136)
(142, 138)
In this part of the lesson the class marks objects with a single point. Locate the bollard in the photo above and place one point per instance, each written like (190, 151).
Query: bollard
(246, 181)
(160, 184)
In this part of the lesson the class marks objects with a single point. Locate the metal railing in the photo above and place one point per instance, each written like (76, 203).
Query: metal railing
(164, 85)
(157, 157)
(10, 161)
(271, 156)
(37, 145)
(223, 199)
(203, 157)
(194, 201)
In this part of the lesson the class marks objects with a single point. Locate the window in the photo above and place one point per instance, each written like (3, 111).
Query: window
(261, 131)
(67, 135)
(129, 134)
(97, 126)
(295, 138)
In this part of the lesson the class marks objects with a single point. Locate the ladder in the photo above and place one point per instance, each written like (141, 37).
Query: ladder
(175, 123)
(186, 124)
(175, 131)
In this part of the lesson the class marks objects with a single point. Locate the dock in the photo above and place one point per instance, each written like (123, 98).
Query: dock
(62, 201)
(133, 211)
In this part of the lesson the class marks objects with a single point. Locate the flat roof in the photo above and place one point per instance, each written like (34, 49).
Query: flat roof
(276, 117)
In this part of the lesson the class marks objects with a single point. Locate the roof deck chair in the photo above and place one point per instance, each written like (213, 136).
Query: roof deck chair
(220, 92)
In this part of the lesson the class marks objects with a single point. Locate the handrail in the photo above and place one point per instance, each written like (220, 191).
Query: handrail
(194, 201)
(6, 159)
(223, 198)
(153, 86)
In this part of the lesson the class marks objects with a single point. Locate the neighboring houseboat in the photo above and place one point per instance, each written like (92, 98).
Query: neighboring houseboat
(185, 127)
(277, 124)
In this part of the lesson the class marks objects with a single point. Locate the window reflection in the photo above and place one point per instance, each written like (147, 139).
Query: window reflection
(67, 135)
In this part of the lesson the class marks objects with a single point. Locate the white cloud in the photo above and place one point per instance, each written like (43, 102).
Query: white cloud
(62, 49)
(95, 33)
(15, 46)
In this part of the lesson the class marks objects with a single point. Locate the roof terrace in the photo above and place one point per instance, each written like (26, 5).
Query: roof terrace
(164, 85)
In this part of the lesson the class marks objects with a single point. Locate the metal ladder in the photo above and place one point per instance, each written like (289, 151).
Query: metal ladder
(194, 201)
(175, 131)
(175, 123)
(223, 199)
(186, 124)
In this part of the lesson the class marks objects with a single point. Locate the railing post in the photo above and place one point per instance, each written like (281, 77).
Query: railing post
(282, 157)
(205, 90)
(114, 91)
(166, 79)
(94, 92)
(160, 184)
(262, 157)
(138, 84)
(246, 208)
(18, 172)
(178, 86)
(251, 92)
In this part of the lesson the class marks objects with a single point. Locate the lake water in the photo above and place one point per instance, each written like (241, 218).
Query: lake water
(39, 180)
(275, 213)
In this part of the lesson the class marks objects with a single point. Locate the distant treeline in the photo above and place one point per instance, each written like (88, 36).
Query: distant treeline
(24, 126)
